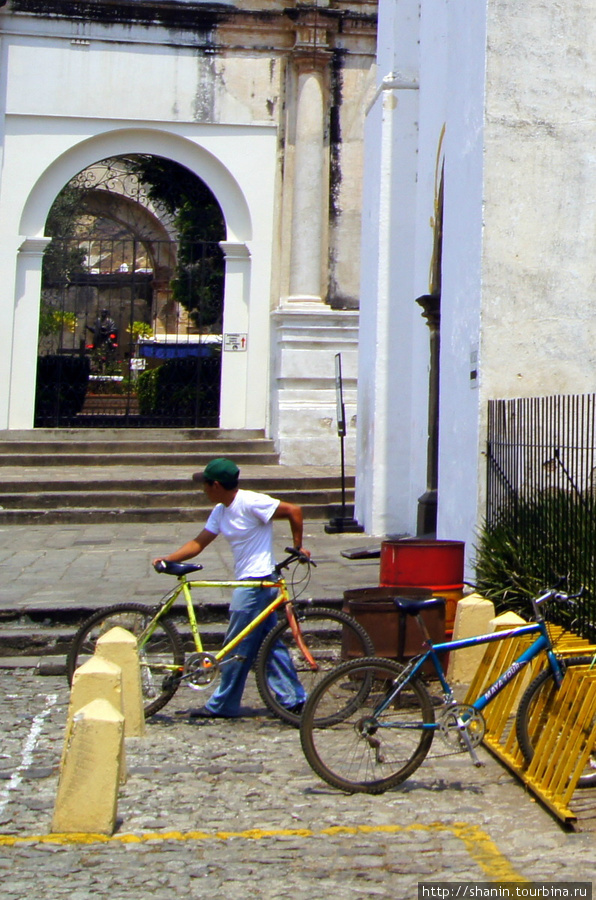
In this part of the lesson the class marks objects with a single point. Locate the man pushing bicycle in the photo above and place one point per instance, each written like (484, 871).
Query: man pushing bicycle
(245, 519)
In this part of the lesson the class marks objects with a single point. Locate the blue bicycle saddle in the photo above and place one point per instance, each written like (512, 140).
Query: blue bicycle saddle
(413, 607)
(172, 568)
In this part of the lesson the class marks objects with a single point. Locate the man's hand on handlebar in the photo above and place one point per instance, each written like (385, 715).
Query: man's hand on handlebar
(296, 554)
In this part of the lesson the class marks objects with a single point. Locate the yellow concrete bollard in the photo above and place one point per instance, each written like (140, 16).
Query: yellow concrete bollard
(120, 647)
(87, 797)
(506, 620)
(97, 679)
(473, 616)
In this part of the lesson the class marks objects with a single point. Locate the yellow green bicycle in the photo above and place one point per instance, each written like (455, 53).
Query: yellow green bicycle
(317, 638)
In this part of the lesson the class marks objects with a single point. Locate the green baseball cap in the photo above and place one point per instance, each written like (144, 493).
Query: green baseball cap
(222, 470)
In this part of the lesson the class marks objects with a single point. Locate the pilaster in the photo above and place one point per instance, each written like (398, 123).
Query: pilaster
(305, 342)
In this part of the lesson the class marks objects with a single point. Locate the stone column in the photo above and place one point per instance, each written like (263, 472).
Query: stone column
(23, 374)
(235, 362)
(392, 401)
(311, 163)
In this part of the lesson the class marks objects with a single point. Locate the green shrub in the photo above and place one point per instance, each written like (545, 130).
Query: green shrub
(533, 544)
(185, 390)
(147, 391)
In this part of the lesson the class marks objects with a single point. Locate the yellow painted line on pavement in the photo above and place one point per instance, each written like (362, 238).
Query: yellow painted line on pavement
(479, 845)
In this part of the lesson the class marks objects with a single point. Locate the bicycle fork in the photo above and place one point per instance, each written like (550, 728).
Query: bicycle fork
(297, 635)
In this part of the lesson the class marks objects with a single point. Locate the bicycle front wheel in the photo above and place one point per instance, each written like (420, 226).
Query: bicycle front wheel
(330, 636)
(362, 749)
(535, 711)
(161, 657)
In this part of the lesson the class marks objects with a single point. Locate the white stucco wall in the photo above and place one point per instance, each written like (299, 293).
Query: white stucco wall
(55, 126)
(461, 457)
(539, 274)
(394, 340)
(445, 126)
(513, 84)
(522, 225)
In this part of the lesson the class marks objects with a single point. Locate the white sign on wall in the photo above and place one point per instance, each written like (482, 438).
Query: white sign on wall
(235, 342)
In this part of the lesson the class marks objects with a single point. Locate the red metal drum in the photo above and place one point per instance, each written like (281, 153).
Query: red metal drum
(435, 565)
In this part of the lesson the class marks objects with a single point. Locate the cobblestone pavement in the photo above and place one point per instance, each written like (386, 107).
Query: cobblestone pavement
(230, 809)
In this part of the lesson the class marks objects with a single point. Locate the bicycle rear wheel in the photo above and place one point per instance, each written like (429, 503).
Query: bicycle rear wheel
(161, 657)
(535, 709)
(330, 636)
(361, 749)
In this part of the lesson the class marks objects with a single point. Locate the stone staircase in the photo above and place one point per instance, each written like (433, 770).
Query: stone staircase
(72, 476)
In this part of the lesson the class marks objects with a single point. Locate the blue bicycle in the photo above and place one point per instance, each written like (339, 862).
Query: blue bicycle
(369, 724)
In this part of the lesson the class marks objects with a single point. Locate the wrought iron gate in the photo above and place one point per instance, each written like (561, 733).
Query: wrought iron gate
(130, 334)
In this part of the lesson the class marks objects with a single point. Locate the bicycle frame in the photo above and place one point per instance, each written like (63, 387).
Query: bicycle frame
(185, 587)
(542, 643)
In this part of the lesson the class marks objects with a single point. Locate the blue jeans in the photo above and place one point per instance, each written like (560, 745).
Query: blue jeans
(247, 603)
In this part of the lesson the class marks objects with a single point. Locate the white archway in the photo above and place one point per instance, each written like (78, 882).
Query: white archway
(139, 140)
(243, 404)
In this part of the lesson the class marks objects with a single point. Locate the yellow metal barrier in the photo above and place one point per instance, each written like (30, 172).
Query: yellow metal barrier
(563, 749)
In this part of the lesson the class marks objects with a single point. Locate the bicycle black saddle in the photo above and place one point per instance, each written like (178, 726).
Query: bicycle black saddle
(172, 568)
(413, 607)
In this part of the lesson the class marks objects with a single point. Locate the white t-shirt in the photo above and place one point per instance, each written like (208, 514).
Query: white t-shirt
(246, 524)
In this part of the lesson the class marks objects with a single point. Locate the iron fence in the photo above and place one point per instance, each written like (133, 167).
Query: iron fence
(130, 333)
(541, 490)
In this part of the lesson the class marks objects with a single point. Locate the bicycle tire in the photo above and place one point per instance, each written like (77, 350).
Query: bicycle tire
(539, 695)
(164, 648)
(363, 751)
(328, 634)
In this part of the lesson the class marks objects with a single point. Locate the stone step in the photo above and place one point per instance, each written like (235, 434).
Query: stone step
(192, 460)
(95, 435)
(276, 485)
(16, 448)
(56, 641)
(130, 446)
(101, 515)
(83, 476)
(38, 640)
(126, 499)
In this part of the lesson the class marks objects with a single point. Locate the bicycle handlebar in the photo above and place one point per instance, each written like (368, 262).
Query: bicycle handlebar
(554, 594)
(169, 568)
(295, 555)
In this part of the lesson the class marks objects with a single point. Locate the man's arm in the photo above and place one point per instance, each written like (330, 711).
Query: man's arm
(293, 513)
(190, 549)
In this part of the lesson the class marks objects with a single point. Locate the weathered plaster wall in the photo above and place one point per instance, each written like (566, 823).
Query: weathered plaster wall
(111, 96)
(216, 86)
(539, 331)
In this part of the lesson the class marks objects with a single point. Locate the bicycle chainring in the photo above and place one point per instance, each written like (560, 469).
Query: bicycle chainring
(457, 719)
(200, 670)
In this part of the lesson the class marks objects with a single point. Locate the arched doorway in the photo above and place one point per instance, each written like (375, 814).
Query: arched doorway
(132, 299)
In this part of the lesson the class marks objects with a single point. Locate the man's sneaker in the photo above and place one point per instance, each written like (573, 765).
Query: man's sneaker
(203, 713)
